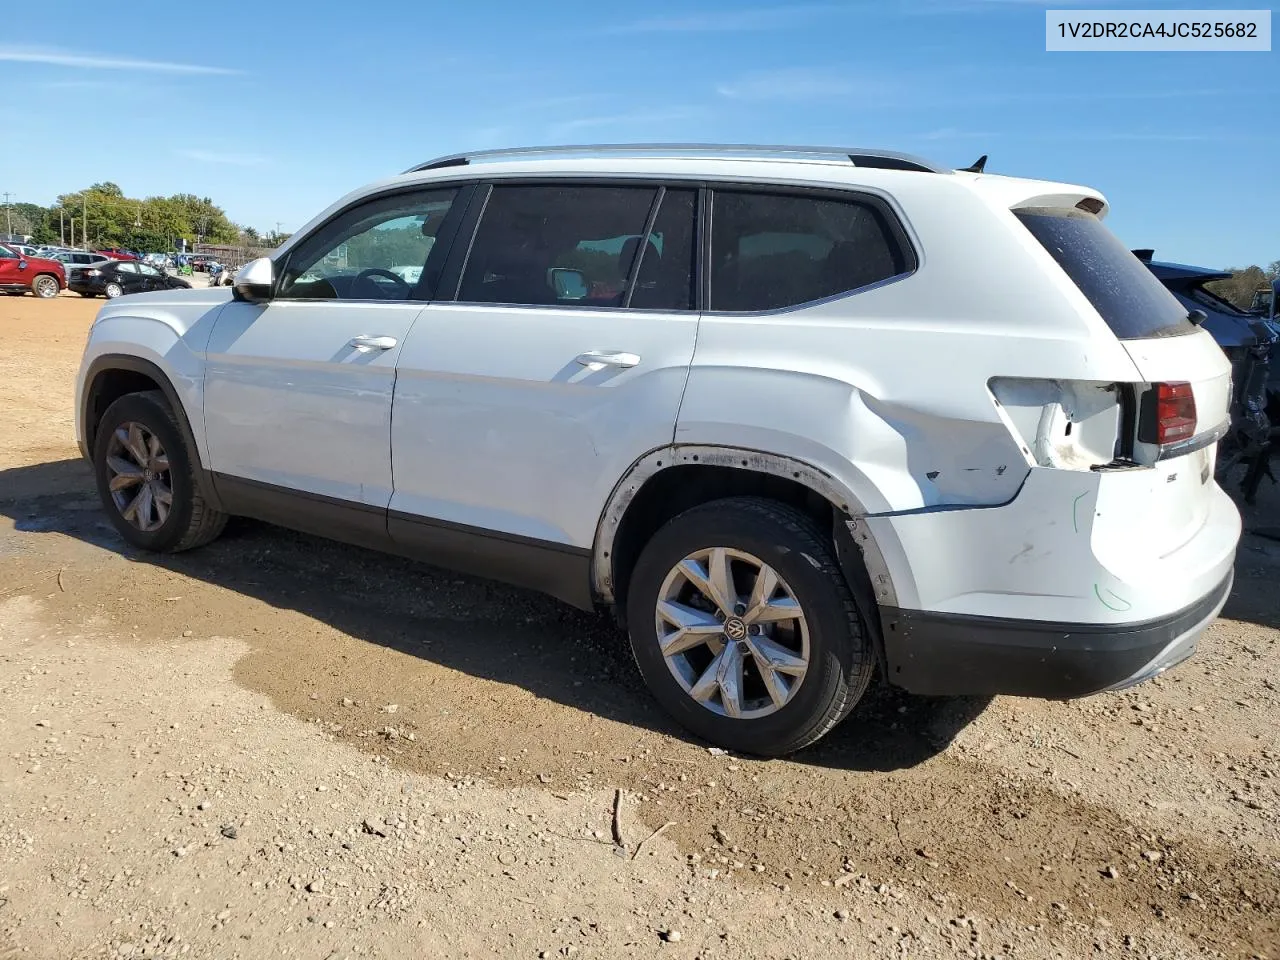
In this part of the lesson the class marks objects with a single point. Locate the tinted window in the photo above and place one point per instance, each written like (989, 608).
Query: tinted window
(569, 246)
(147, 271)
(376, 251)
(126, 267)
(665, 277)
(1121, 288)
(775, 250)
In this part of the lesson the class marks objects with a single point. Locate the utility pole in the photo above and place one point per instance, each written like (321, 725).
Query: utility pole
(8, 220)
(84, 221)
(62, 226)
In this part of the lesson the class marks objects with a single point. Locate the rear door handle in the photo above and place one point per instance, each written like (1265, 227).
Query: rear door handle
(599, 359)
(372, 343)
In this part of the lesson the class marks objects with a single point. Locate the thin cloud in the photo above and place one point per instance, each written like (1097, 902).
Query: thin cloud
(731, 21)
(797, 84)
(951, 133)
(230, 159)
(67, 58)
(84, 85)
(640, 118)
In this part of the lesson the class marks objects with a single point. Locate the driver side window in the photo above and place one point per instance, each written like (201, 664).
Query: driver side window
(375, 251)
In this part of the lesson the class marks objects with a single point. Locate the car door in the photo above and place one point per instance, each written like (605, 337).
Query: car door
(130, 280)
(11, 273)
(298, 389)
(560, 362)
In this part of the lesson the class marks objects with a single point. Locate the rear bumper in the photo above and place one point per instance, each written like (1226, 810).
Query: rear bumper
(938, 654)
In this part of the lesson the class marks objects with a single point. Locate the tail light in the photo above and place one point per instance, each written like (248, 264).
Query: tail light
(1168, 414)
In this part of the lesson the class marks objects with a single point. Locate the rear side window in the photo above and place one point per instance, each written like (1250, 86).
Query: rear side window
(774, 250)
(1134, 304)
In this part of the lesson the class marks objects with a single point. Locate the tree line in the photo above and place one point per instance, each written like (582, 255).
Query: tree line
(1244, 282)
(101, 216)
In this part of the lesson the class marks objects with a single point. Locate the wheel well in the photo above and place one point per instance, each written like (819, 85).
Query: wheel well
(46, 273)
(108, 387)
(676, 489)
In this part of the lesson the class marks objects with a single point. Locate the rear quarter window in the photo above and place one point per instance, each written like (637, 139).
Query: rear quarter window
(1132, 302)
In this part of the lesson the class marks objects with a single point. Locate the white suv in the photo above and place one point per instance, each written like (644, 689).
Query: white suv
(797, 415)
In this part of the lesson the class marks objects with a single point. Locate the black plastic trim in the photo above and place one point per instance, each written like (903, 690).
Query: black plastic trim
(702, 248)
(109, 362)
(939, 654)
(875, 162)
(557, 569)
(357, 523)
(460, 254)
(634, 277)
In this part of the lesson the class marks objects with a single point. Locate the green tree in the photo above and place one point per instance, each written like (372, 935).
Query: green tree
(1240, 287)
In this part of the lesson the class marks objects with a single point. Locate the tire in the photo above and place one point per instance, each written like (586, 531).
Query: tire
(190, 521)
(840, 657)
(45, 286)
(114, 290)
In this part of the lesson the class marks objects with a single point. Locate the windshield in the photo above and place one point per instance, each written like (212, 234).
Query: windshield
(1132, 302)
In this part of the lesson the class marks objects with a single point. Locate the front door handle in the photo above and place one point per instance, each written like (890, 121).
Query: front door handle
(372, 343)
(599, 359)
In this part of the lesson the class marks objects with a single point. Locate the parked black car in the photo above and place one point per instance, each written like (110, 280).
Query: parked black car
(1252, 344)
(118, 277)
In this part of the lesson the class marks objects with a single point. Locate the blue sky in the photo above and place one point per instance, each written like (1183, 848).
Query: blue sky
(310, 104)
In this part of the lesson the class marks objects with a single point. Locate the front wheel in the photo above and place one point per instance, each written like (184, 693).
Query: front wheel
(744, 628)
(114, 290)
(45, 286)
(146, 477)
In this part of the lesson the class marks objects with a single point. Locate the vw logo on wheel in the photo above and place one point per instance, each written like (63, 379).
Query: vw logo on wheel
(735, 629)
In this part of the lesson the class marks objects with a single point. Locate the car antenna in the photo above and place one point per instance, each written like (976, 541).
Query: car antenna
(978, 167)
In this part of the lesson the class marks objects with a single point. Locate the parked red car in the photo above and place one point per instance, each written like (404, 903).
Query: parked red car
(19, 273)
(114, 254)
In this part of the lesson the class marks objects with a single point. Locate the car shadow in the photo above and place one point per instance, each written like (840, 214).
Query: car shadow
(466, 624)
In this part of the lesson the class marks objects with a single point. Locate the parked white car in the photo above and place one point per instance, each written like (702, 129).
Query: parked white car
(796, 415)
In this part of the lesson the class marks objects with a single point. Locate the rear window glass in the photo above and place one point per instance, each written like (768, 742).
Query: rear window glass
(1129, 298)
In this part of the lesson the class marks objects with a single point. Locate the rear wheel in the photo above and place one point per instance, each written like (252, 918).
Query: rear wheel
(45, 286)
(146, 477)
(114, 290)
(744, 628)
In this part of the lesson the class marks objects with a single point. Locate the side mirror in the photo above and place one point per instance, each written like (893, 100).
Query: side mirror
(568, 284)
(255, 281)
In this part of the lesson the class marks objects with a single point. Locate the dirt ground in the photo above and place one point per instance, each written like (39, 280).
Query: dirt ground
(282, 747)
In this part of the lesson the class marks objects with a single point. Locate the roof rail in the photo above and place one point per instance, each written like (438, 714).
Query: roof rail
(880, 159)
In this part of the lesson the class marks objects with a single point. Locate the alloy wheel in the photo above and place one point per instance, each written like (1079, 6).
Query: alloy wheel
(732, 633)
(138, 477)
(46, 287)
